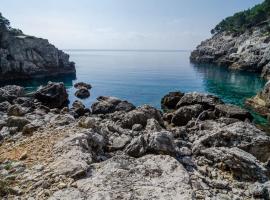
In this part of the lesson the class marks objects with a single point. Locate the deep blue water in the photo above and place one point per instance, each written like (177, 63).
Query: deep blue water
(143, 77)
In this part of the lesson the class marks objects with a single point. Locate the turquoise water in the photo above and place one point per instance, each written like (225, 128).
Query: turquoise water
(143, 77)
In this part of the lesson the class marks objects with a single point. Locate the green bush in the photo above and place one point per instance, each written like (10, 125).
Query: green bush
(241, 21)
(4, 21)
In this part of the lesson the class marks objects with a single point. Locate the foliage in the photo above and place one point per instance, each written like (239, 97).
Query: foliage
(4, 21)
(241, 21)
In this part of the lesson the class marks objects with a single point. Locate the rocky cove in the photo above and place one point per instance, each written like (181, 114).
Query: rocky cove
(196, 148)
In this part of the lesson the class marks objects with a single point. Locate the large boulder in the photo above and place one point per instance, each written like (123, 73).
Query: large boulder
(169, 101)
(242, 165)
(140, 116)
(106, 105)
(206, 100)
(149, 177)
(82, 93)
(82, 85)
(240, 134)
(53, 95)
(231, 111)
(184, 114)
(10, 92)
(152, 143)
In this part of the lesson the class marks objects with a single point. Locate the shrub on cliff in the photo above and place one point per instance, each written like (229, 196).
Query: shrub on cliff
(4, 21)
(241, 21)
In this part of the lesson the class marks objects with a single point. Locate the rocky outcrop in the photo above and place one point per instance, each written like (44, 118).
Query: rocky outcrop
(248, 51)
(53, 95)
(106, 105)
(24, 57)
(210, 151)
(261, 102)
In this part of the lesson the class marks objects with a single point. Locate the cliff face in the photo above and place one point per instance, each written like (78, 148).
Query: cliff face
(23, 56)
(249, 51)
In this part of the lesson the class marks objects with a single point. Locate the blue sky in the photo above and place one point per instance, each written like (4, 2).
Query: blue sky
(121, 24)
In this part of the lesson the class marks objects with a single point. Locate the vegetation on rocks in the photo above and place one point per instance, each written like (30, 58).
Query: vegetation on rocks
(241, 21)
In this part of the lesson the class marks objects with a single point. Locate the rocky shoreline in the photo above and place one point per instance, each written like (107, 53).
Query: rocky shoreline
(248, 51)
(26, 57)
(198, 148)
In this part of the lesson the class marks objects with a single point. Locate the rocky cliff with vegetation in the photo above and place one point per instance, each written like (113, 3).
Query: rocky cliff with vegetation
(240, 42)
(198, 148)
(23, 56)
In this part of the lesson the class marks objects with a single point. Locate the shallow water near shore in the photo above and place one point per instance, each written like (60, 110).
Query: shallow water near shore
(144, 77)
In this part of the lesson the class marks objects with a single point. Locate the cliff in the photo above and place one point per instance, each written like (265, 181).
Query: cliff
(239, 42)
(23, 56)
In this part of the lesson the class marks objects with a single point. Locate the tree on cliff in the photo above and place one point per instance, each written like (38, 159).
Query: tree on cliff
(4, 21)
(241, 21)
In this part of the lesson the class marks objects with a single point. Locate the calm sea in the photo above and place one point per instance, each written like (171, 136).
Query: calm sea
(143, 77)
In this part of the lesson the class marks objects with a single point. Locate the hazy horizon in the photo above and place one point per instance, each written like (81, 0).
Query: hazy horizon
(121, 24)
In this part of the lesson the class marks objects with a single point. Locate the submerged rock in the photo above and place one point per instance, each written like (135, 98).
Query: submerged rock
(80, 85)
(82, 93)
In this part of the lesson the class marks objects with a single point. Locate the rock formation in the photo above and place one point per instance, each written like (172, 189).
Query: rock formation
(24, 57)
(199, 148)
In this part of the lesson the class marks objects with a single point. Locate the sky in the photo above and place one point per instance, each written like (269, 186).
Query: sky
(121, 24)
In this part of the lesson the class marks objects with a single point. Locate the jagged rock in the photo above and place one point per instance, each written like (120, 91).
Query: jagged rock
(4, 106)
(24, 101)
(53, 95)
(62, 120)
(106, 105)
(240, 134)
(119, 143)
(157, 143)
(137, 127)
(260, 190)
(152, 126)
(261, 102)
(246, 51)
(169, 101)
(80, 85)
(29, 129)
(67, 194)
(76, 152)
(19, 122)
(143, 178)
(82, 93)
(24, 57)
(242, 165)
(231, 111)
(88, 122)
(140, 116)
(185, 113)
(16, 110)
(10, 92)
(78, 108)
(137, 147)
(206, 100)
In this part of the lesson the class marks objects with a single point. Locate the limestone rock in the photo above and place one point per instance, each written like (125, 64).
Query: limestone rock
(140, 116)
(144, 178)
(170, 100)
(82, 85)
(24, 57)
(106, 105)
(10, 92)
(82, 93)
(53, 95)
